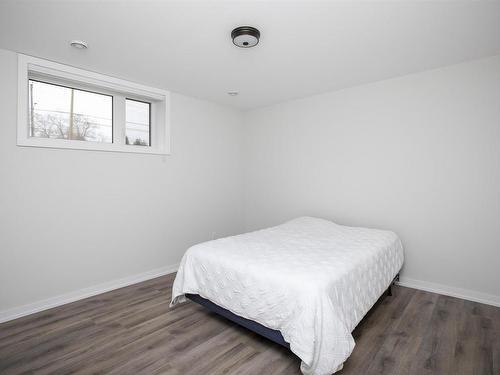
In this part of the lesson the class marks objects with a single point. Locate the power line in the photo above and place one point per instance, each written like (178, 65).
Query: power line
(92, 116)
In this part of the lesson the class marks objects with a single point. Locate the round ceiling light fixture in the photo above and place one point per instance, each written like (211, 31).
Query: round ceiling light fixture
(79, 44)
(245, 36)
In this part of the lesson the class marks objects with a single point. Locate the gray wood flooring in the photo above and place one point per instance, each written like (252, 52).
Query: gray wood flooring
(133, 331)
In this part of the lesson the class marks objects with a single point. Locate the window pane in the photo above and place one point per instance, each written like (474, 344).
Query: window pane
(137, 130)
(67, 113)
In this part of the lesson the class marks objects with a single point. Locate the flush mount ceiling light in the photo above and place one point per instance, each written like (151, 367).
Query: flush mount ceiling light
(245, 36)
(79, 44)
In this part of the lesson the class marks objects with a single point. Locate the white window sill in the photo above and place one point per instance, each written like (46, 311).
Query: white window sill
(89, 146)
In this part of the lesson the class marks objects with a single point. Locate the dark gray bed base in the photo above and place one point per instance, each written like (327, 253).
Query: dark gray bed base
(271, 334)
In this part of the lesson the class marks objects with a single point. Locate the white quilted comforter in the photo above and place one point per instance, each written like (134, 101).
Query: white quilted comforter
(309, 278)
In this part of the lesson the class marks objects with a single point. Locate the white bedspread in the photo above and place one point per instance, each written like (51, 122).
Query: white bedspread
(309, 278)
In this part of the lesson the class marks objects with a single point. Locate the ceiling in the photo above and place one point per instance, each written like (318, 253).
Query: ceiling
(306, 47)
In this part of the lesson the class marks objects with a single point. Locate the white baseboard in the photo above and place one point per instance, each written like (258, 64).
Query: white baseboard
(49, 303)
(467, 294)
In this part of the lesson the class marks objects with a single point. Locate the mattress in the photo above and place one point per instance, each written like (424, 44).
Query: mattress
(309, 278)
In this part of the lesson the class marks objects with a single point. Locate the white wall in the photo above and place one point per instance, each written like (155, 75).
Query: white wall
(419, 155)
(73, 219)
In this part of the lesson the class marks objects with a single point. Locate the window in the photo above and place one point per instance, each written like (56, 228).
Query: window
(66, 113)
(66, 107)
(138, 128)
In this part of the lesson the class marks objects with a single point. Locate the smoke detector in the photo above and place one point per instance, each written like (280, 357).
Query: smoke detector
(79, 44)
(245, 36)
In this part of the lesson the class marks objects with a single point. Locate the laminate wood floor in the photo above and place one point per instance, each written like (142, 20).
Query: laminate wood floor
(133, 331)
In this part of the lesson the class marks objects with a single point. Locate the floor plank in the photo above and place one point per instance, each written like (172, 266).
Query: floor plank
(133, 331)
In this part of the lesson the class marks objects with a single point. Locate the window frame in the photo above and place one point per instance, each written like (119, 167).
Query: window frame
(54, 73)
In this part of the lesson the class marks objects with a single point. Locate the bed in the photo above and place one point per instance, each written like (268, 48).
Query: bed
(309, 280)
